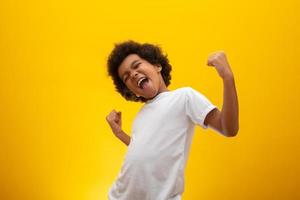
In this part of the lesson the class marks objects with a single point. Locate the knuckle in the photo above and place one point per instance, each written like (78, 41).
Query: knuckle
(222, 53)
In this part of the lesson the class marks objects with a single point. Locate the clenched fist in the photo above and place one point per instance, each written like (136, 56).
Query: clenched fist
(115, 121)
(219, 60)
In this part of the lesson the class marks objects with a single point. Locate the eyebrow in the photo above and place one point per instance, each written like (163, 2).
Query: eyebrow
(131, 65)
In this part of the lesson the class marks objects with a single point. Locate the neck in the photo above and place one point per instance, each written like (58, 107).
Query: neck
(162, 87)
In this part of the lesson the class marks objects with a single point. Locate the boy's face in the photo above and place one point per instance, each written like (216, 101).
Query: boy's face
(141, 77)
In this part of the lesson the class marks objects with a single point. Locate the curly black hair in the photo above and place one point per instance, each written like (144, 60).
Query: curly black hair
(152, 53)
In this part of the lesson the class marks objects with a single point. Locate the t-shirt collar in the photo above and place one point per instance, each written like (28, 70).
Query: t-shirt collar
(158, 96)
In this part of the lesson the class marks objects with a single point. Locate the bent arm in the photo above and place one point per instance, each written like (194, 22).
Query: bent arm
(123, 137)
(227, 120)
(114, 120)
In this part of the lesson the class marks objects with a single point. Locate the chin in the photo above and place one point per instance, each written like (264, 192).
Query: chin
(152, 95)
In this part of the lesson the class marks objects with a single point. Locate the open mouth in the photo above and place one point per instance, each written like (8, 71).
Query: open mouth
(141, 82)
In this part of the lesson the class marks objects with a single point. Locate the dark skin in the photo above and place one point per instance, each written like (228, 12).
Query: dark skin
(133, 67)
(225, 121)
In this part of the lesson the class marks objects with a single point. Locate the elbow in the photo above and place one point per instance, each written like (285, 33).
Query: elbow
(230, 128)
(231, 132)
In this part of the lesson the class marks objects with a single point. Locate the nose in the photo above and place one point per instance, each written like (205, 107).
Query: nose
(134, 74)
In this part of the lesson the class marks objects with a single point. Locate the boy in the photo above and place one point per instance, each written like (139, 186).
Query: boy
(154, 165)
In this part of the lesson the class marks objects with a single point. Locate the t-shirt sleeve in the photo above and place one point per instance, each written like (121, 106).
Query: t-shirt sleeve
(197, 106)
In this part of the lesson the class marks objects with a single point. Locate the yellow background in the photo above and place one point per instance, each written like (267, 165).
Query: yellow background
(55, 93)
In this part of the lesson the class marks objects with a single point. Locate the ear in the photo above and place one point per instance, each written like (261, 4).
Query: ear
(159, 67)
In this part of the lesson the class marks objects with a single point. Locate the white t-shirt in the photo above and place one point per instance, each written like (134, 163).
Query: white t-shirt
(156, 157)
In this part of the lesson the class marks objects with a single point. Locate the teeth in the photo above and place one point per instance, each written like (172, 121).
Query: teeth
(139, 82)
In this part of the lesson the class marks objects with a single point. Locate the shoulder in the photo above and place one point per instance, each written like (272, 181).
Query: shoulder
(187, 91)
(188, 94)
(193, 95)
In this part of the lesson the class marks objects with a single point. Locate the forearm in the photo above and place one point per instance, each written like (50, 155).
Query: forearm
(230, 109)
(123, 137)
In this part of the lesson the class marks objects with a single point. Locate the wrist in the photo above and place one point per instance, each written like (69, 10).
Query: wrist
(118, 132)
(228, 77)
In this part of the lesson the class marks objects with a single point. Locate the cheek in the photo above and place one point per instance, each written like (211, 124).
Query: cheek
(155, 76)
(131, 86)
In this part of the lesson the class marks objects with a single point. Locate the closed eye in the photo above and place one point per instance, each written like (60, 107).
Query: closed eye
(136, 66)
(125, 77)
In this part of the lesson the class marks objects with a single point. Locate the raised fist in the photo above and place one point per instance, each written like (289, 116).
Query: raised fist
(219, 60)
(115, 121)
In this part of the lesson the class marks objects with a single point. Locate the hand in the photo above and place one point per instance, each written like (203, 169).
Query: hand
(115, 121)
(218, 60)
